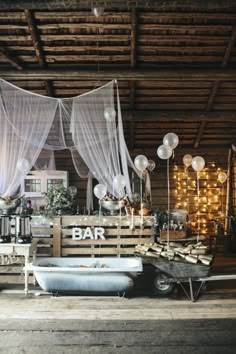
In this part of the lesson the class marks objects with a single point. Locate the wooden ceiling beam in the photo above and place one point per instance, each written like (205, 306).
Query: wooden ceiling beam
(179, 116)
(4, 54)
(131, 120)
(199, 134)
(161, 74)
(229, 48)
(133, 38)
(212, 95)
(132, 95)
(35, 38)
(209, 106)
(161, 5)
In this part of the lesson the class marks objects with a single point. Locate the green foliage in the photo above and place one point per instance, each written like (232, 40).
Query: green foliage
(58, 198)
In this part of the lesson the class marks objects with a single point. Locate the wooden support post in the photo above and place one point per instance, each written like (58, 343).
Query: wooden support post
(56, 237)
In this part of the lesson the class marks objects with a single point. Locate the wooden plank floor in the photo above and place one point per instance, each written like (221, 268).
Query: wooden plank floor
(44, 324)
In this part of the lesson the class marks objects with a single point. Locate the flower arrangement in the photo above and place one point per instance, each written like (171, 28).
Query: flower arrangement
(58, 199)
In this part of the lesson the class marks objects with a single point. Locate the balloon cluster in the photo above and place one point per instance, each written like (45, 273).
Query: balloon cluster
(119, 182)
(197, 163)
(170, 141)
(142, 163)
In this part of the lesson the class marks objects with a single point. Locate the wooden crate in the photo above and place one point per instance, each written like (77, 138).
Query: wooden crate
(120, 239)
(44, 235)
(173, 235)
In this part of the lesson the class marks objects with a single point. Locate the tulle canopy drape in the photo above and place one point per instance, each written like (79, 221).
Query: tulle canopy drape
(30, 122)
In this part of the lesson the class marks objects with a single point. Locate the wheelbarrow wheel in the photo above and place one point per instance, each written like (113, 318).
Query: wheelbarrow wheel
(160, 284)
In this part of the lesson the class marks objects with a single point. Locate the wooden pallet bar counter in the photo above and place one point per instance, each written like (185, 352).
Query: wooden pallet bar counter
(121, 235)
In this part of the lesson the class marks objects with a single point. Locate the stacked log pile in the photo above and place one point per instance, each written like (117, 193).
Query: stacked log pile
(190, 253)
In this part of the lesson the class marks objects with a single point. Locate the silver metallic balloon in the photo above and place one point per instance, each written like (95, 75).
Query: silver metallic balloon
(164, 152)
(171, 139)
(141, 162)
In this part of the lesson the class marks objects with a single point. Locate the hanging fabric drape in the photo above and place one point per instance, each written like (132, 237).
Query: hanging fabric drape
(25, 121)
(31, 122)
(98, 141)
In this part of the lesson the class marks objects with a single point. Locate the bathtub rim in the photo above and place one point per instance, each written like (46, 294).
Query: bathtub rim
(33, 266)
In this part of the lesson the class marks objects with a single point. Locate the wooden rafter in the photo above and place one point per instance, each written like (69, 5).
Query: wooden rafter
(229, 48)
(212, 95)
(4, 54)
(133, 38)
(195, 74)
(131, 121)
(179, 116)
(162, 5)
(35, 37)
(132, 95)
(200, 133)
(209, 106)
(49, 88)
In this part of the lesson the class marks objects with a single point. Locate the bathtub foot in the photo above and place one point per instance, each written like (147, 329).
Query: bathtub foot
(122, 294)
(56, 294)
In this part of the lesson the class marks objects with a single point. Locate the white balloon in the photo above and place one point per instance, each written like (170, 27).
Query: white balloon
(187, 160)
(73, 190)
(141, 162)
(164, 152)
(171, 139)
(98, 11)
(23, 166)
(198, 163)
(151, 165)
(100, 191)
(222, 177)
(119, 182)
(110, 114)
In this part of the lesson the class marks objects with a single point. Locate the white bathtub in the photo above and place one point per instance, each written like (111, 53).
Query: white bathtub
(86, 275)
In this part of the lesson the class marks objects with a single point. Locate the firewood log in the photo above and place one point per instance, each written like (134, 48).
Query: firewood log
(191, 259)
(152, 254)
(199, 251)
(157, 248)
(206, 256)
(205, 261)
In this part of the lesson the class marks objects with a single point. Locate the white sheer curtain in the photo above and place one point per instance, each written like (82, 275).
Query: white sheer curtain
(25, 121)
(95, 138)
(31, 122)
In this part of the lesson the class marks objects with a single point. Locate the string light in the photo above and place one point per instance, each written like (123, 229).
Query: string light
(210, 196)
